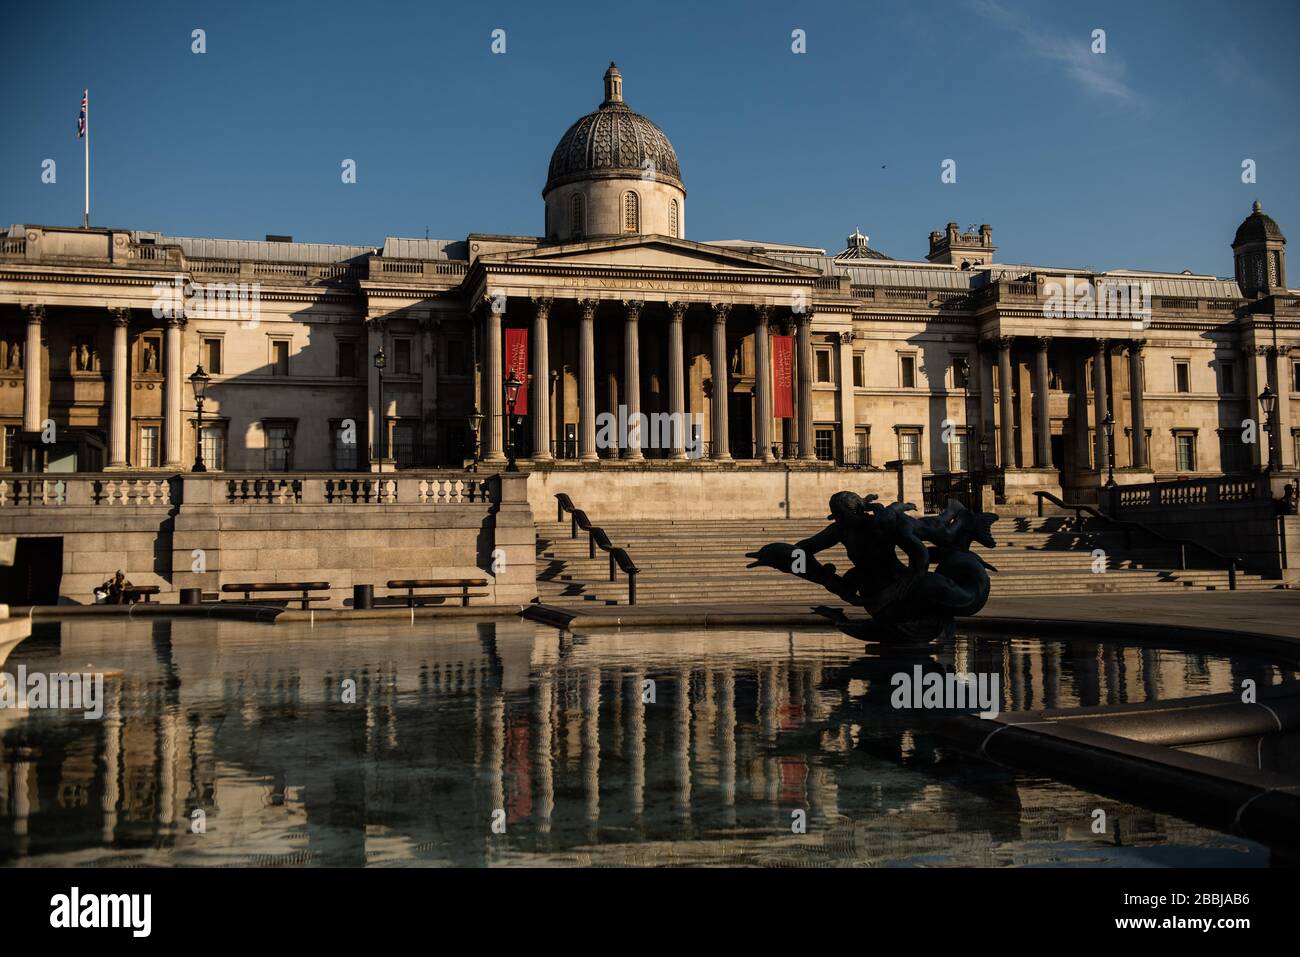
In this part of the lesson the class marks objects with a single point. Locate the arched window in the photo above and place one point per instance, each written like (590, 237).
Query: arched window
(577, 221)
(631, 213)
(673, 229)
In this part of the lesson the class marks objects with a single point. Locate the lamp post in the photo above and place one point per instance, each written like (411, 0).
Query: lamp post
(381, 420)
(1109, 423)
(287, 444)
(1268, 402)
(475, 425)
(512, 396)
(199, 381)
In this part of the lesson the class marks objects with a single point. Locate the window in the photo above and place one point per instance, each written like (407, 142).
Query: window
(1182, 375)
(344, 445)
(824, 365)
(907, 371)
(279, 357)
(149, 447)
(214, 447)
(857, 370)
(862, 446)
(577, 217)
(824, 444)
(1295, 377)
(279, 447)
(960, 372)
(404, 444)
(11, 434)
(346, 366)
(959, 451)
(212, 356)
(1295, 442)
(631, 212)
(402, 356)
(1227, 377)
(1232, 451)
(673, 229)
(1185, 451)
(909, 445)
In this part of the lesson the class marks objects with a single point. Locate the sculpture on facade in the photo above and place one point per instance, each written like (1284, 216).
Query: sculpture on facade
(911, 602)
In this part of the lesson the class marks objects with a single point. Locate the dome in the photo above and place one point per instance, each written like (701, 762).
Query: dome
(1258, 227)
(613, 143)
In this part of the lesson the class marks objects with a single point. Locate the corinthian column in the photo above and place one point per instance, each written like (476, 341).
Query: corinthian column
(1101, 404)
(494, 314)
(763, 385)
(173, 387)
(32, 370)
(677, 380)
(1135, 388)
(587, 381)
(803, 325)
(541, 411)
(117, 419)
(721, 383)
(632, 377)
(1042, 406)
(1006, 425)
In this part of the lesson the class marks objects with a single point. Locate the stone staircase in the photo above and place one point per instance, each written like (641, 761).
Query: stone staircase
(686, 562)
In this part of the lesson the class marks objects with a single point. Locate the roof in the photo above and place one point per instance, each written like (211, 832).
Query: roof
(199, 248)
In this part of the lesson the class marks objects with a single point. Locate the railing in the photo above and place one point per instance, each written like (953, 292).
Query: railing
(1225, 490)
(596, 537)
(1182, 544)
(154, 489)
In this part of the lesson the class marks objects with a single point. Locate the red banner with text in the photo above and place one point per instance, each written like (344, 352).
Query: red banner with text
(517, 362)
(783, 377)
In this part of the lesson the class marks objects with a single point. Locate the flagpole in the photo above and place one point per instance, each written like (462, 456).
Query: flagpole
(86, 218)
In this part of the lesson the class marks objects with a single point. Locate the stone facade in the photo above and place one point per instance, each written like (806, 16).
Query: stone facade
(958, 364)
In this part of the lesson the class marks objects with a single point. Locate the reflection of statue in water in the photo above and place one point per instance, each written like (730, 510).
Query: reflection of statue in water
(907, 602)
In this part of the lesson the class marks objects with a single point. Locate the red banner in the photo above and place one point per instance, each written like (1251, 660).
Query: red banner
(783, 377)
(517, 362)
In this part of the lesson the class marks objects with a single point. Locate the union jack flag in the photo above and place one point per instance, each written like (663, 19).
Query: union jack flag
(81, 120)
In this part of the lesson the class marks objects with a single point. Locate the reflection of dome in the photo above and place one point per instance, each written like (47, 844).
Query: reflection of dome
(1257, 227)
(613, 143)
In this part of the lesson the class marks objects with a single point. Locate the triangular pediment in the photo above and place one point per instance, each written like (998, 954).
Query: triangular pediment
(648, 252)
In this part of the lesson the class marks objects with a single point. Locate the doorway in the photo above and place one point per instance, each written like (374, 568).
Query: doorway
(36, 574)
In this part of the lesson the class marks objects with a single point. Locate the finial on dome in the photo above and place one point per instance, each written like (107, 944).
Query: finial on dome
(1256, 208)
(613, 85)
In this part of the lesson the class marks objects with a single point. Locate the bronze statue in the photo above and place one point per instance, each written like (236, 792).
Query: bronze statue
(907, 602)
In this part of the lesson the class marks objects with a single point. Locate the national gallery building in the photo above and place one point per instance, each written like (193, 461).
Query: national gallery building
(740, 354)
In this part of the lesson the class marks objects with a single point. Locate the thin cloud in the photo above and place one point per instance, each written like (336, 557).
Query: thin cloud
(1098, 73)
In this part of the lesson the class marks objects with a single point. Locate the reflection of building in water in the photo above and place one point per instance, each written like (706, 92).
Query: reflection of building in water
(621, 748)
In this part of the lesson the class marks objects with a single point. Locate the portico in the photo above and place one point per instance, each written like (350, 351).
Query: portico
(664, 329)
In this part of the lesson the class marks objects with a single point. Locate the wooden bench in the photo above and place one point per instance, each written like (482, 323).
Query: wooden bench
(262, 588)
(141, 593)
(462, 585)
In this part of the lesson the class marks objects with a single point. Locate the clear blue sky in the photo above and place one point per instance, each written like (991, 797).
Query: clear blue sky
(1130, 158)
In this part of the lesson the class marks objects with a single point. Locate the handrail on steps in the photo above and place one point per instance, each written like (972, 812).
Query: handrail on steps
(596, 537)
(1231, 561)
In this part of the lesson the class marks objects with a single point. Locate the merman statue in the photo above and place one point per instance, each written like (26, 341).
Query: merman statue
(907, 602)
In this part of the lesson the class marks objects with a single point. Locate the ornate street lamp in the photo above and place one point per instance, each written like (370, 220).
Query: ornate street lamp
(1268, 402)
(1109, 423)
(199, 381)
(381, 420)
(512, 396)
(475, 426)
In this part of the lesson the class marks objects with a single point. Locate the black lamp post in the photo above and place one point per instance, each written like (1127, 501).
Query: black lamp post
(1268, 402)
(199, 381)
(381, 420)
(475, 426)
(1109, 423)
(512, 396)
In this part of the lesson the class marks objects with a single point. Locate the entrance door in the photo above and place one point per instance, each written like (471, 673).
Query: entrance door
(741, 420)
(1058, 452)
